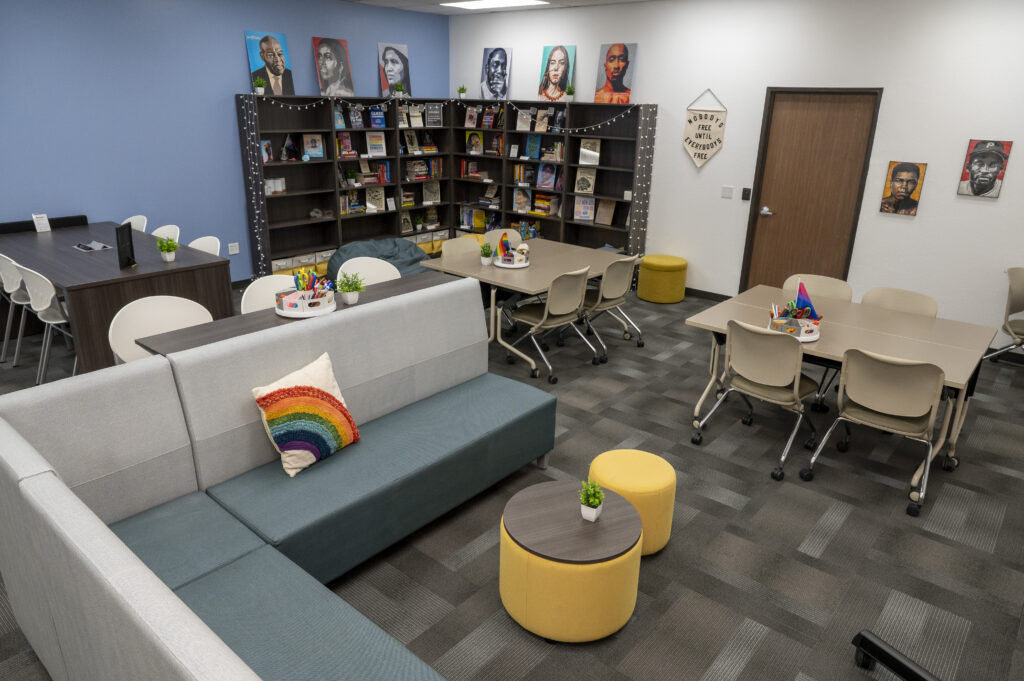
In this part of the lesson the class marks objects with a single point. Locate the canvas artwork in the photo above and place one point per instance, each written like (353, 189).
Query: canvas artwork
(474, 142)
(984, 167)
(615, 73)
(333, 69)
(556, 71)
(268, 59)
(521, 200)
(393, 62)
(903, 187)
(494, 72)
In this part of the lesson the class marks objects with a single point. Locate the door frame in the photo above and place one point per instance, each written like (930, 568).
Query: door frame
(762, 146)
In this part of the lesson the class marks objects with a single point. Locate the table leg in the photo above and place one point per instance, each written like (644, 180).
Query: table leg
(713, 382)
(496, 331)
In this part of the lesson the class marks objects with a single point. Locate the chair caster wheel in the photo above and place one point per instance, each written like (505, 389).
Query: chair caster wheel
(811, 443)
(950, 463)
(863, 660)
(747, 420)
(595, 361)
(552, 379)
(560, 342)
(604, 359)
(778, 474)
(819, 407)
(640, 343)
(913, 509)
(509, 359)
(626, 335)
(843, 446)
(545, 347)
(806, 474)
(696, 438)
(535, 373)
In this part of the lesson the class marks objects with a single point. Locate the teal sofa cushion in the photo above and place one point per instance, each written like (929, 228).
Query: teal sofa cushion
(288, 627)
(409, 467)
(186, 538)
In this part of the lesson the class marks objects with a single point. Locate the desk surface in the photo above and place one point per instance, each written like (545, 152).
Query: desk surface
(53, 254)
(230, 327)
(955, 347)
(548, 259)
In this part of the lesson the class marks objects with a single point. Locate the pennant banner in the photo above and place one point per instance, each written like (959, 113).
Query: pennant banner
(703, 135)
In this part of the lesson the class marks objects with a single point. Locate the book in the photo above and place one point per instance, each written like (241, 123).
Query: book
(590, 151)
(474, 142)
(432, 191)
(497, 144)
(349, 203)
(403, 116)
(428, 144)
(523, 120)
(375, 144)
(488, 120)
(345, 149)
(491, 192)
(513, 151)
(339, 117)
(375, 198)
(556, 206)
(471, 115)
(355, 116)
(521, 200)
(584, 209)
(542, 121)
(416, 116)
(533, 145)
(412, 145)
(377, 117)
(585, 179)
(548, 173)
(406, 223)
(434, 115)
(430, 217)
(267, 150)
(605, 211)
(313, 145)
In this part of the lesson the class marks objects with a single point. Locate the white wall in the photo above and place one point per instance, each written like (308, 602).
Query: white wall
(950, 71)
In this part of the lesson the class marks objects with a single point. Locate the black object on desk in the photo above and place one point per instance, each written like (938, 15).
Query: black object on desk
(125, 247)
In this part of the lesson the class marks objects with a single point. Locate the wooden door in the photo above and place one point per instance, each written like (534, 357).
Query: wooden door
(811, 167)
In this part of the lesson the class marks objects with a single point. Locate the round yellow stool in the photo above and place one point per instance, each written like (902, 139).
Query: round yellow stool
(662, 279)
(648, 482)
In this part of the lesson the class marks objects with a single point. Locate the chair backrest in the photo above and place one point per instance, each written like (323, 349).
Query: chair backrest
(138, 222)
(148, 317)
(453, 248)
(10, 277)
(1015, 298)
(208, 244)
(55, 223)
(259, 295)
(494, 236)
(617, 278)
(372, 270)
(890, 385)
(167, 231)
(565, 295)
(762, 355)
(41, 292)
(901, 300)
(820, 286)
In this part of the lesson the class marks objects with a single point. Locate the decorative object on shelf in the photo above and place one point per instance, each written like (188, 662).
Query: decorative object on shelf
(333, 68)
(313, 146)
(705, 129)
(614, 77)
(266, 150)
(903, 187)
(462, 92)
(393, 61)
(494, 73)
(486, 254)
(349, 286)
(258, 84)
(591, 500)
(798, 318)
(556, 72)
(570, 93)
(288, 150)
(268, 59)
(982, 174)
(167, 248)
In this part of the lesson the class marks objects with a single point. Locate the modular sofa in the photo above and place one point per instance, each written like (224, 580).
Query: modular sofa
(149, 532)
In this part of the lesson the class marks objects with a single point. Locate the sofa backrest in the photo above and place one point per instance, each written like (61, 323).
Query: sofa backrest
(117, 436)
(114, 618)
(19, 564)
(386, 355)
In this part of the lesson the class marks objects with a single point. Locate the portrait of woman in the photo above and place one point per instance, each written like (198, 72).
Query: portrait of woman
(394, 68)
(474, 143)
(556, 71)
(332, 67)
(521, 199)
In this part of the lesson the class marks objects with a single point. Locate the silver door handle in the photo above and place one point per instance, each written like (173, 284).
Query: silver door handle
(766, 211)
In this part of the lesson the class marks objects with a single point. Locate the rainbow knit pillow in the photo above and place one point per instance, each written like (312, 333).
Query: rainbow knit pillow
(305, 415)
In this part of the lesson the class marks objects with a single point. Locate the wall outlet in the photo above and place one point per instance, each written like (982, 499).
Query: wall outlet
(233, 248)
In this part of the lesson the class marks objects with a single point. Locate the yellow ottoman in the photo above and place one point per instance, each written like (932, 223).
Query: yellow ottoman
(662, 279)
(648, 482)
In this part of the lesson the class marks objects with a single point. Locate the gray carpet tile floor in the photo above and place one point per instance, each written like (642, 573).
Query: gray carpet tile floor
(761, 580)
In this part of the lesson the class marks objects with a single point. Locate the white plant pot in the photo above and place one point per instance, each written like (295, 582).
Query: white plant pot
(350, 297)
(569, 98)
(167, 257)
(485, 260)
(591, 514)
(462, 95)
(259, 91)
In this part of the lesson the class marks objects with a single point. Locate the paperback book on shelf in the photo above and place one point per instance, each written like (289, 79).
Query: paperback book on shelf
(412, 145)
(513, 150)
(524, 172)
(355, 115)
(542, 121)
(406, 223)
(471, 115)
(339, 117)
(267, 150)
(541, 204)
(345, 148)
(377, 117)
(590, 152)
(533, 145)
(605, 211)
(434, 115)
(403, 116)
(416, 116)
(556, 206)
(375, 198)
(313, 145)
(497, 144)
(584, 208)
(552, 152)
(408, 198)
(350, 203)
(524, 119)
(488, 120)
(428, 145)
(432, 191)
(375, 144)
(585, 178)
(430, 217)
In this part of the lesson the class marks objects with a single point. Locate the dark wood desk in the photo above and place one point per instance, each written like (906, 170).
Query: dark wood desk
(95, 288)
(222, 329)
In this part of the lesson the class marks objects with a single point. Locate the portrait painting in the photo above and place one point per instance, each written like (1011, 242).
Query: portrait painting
(474, 142)
(557, 62)
(494, 72)
(902, 190)
(333, 68)
(984, 167)
(268, 59)
(615, 73)
(393, 62)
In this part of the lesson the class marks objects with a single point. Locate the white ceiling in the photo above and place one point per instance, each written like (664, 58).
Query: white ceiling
(434, 7)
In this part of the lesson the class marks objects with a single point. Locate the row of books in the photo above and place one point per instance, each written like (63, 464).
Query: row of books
(375, 114)
(543, 176)
(584, 210)
(535, 149)
(489, 198)
(415, 145)
(540, 120)
(484, 117)
(312, 147)
(424, 168)
(416, 115)
(378, 172)
(471, 169)
(479, 221)
(375, 145)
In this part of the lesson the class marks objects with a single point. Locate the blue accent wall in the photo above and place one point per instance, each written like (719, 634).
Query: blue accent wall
(121, 107)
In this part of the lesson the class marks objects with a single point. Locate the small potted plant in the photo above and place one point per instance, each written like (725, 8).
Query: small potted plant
(570, 92)
(349, 285)
(399, 90)
(591, 500)
(167, 248)
(258, 83)
(462, 92)
(418, 221)
(485, 254)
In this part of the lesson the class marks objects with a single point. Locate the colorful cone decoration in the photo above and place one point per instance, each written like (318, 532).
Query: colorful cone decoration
(804, 306)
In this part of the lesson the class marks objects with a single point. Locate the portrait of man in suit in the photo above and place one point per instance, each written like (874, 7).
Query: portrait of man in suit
(268, 59)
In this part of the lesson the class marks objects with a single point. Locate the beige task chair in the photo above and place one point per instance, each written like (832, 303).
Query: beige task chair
(17, 297)
(562, 307)
(890, 394)
(147, 317)
(207, 244)
(611, 295)
(765, 365)
(51, 312)
(901, 300)
(261, 293)
(1014, 328)
(372, 270)
(462, 246)
(138, 222)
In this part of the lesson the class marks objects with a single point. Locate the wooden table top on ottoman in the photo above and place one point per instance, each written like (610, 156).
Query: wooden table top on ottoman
(565, 578)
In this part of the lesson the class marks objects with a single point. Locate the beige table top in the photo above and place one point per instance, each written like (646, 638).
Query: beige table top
(548, 259)
(955, 347)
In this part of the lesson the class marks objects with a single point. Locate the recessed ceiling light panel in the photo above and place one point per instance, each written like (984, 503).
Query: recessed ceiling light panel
(492, 4)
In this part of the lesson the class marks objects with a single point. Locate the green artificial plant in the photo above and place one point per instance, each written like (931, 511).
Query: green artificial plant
(259, 81)
(167, 245)
(591, 494)
(350, 283)
(485, 250)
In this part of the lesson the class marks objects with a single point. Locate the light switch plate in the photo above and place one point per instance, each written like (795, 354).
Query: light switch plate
(233, 248)
(726, 192)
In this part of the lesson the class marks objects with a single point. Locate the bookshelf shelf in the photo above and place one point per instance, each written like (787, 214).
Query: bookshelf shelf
(299, 223)
(293, 131)
(299, 192)
(297, 164)
(602, 196)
